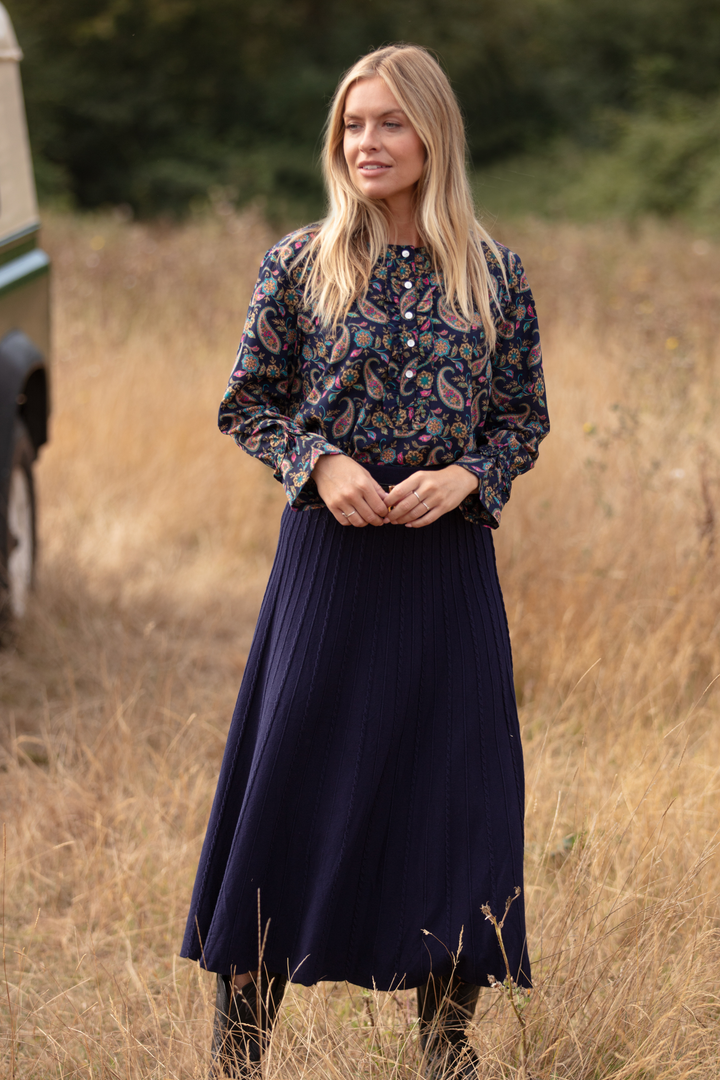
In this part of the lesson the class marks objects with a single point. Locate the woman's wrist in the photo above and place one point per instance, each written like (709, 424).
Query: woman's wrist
(322, 463)
(472, 481)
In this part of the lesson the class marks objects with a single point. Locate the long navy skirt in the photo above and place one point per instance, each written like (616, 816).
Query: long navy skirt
(371, 795)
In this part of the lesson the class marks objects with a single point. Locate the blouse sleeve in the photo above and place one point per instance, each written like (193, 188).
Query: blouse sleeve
(506, 442)
(264, 391)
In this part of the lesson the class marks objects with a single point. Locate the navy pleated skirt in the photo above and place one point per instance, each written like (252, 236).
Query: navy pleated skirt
(371, 795)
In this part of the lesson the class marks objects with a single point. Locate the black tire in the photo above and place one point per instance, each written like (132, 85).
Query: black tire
(17, 569)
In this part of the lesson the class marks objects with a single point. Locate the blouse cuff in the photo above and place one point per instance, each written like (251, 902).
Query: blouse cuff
(298, 464)
(493, 492)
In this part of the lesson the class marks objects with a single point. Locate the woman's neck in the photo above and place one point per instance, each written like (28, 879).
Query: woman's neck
(402, 227)
(403, 232)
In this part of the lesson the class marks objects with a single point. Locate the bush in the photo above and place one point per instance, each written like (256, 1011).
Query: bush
(662, 162)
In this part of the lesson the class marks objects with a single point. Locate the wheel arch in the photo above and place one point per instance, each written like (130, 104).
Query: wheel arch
(23, 396)
(24, 392)
(32, 403)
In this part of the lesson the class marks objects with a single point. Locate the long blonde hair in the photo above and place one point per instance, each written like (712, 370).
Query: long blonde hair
(354, 235)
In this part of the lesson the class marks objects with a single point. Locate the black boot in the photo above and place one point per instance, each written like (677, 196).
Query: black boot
(445, 1005)
(243, 1024)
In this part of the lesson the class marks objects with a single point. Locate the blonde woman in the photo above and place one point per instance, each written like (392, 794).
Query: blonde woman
(371, 795)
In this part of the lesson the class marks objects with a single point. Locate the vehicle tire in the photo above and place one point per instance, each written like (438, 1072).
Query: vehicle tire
(19, 571)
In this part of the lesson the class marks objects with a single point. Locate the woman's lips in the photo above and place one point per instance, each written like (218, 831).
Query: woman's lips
(373, 167)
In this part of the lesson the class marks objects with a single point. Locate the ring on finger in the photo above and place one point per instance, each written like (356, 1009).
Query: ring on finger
(348, 515)
(417, 496)
(425, 504)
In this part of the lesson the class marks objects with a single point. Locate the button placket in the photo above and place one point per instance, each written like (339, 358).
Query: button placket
(409, 342)
(409, 316)
(410, 372)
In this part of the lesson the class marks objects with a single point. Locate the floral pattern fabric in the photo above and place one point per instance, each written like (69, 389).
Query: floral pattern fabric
(403, 381)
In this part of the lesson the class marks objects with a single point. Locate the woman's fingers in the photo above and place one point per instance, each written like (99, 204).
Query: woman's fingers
(426, 518)
(410, 508)
(425, 496)
(354, 498)
(349, 492)
(415, 498)
(358, 504)
(374, 497)
(359, 512)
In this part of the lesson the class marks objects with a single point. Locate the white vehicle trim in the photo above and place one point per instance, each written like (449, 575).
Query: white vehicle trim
(9, 48)
(23, 269)
(19, 235)
(20, 527)
(18, 204)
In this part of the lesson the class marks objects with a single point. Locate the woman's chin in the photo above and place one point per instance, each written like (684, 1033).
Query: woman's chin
(375, 189)
(385, 192)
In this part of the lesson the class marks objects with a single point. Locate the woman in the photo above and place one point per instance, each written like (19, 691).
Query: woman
(371, 794)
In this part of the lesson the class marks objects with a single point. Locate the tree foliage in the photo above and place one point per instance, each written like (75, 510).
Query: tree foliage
(155, 102)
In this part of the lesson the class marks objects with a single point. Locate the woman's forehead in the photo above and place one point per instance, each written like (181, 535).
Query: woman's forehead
(371, 95)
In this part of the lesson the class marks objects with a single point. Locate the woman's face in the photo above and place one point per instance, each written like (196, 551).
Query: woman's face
(384, 153)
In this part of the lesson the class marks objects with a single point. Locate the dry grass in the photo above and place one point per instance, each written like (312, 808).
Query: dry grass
(157, 538)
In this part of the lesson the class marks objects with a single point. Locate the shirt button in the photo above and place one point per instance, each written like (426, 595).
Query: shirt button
(405, 253)
(411, 342)
(410, 374)
(408, 284)
(408, 314)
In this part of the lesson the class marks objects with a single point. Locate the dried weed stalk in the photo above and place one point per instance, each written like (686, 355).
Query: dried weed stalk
(157, 536)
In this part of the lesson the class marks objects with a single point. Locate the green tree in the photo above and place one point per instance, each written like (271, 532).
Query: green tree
(152, 102)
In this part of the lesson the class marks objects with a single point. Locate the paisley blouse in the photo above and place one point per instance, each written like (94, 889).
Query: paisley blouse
(403, 381)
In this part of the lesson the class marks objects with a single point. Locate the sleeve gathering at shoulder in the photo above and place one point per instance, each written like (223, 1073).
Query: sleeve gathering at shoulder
(507, 440)
(263, 392)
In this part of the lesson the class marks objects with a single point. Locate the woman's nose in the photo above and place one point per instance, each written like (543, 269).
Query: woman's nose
(368, 140)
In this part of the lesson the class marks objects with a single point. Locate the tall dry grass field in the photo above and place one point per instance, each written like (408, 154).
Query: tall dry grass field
(157, 536)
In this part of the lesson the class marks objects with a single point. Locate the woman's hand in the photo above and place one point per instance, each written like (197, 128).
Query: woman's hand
(349, 491)
(426, 496)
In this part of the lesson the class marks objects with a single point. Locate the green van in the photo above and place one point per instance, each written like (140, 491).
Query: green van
(24, 336)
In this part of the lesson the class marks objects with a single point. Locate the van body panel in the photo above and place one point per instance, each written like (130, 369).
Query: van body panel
(18, 204)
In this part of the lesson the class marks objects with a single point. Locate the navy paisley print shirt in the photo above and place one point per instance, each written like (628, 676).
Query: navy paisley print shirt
(403, 381)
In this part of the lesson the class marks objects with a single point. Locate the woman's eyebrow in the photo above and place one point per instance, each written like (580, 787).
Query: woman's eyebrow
(388, 112)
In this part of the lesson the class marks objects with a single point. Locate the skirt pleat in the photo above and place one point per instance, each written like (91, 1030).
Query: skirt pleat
(371, 795)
